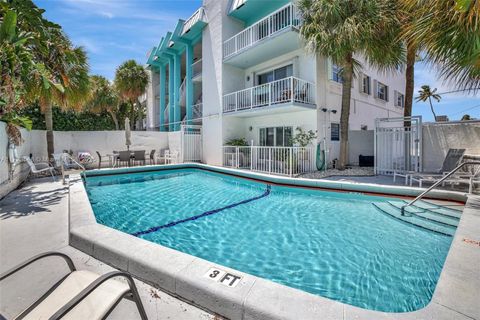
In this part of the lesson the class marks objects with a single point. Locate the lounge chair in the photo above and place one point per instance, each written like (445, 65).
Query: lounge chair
(452, 159)
(80, 294)
(39, 167)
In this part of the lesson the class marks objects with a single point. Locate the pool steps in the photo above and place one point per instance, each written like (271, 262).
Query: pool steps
(423, 214)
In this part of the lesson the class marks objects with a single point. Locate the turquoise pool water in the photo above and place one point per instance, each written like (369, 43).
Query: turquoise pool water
(332, 244)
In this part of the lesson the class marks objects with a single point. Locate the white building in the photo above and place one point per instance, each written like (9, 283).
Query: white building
(239, 69)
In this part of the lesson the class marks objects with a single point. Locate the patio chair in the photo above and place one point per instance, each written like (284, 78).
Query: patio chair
(139, 156)
(152, 157)
(124, 157)
(80, 294)
(100, 157)
(170, 156)
(452, 159)
(39, 168)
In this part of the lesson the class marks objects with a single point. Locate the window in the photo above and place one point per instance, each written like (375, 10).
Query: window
(399, 100)
(337, 73)
(365, 88)
(277, 74)
(276, 136)
(335, 132)
(382, 91)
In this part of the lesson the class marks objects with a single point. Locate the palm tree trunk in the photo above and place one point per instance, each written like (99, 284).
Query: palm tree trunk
(347, 76)
(114, 118)
(49, 128)
(431, 108)
(132, 116)
(409, 80)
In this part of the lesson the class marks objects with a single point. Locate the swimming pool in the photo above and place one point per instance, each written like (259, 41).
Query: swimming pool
(335, 245)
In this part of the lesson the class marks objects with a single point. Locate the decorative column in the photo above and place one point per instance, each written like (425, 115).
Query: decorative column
(162, 103)
(189, 83)
(171, 95)
(176, 83)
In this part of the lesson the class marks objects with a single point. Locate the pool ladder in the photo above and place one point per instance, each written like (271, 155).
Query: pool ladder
(448, 175)
(66, 155)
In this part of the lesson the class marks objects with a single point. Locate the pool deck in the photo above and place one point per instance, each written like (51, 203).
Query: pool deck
(34, 219)
(179, 274)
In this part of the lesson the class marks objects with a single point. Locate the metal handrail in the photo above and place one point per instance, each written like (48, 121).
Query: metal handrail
(420, 196)
(76, 162)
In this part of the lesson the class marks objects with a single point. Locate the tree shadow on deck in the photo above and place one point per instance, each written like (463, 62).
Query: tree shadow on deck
(32, 198)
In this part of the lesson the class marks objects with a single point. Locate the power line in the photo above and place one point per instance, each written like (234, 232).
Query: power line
(459, 90)
(474, 107)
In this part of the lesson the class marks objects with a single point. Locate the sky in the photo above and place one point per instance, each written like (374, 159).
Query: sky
(113, 31)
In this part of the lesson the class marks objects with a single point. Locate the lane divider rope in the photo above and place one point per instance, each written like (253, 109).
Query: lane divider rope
(205, 214)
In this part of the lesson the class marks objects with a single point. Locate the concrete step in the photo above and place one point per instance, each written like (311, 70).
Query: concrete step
(395, 212)
(427, 214)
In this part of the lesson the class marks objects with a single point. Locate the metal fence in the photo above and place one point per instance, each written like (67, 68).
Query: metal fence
(398, 145)
(191, 143)
(288, 161)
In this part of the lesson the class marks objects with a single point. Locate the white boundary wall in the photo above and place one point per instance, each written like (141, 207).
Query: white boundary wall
(35, 143)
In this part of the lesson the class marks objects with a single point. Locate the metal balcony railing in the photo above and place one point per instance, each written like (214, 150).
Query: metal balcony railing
(283, 18)
(199, 15)
(288, 90)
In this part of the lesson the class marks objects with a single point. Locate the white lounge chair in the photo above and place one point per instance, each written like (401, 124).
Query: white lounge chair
(169, 157)
(80, 294)
(452, 159)
(39, 167)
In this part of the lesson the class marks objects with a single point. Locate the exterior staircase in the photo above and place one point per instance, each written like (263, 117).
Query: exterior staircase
(423, 214)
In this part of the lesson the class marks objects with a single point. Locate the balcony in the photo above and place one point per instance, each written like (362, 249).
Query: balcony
(194, 25)
(270, 37)
(197, 70)
(287, 94)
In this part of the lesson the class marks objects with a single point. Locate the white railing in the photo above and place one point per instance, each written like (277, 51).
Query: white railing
(197, 111)
(288, 161)
(283, 18)
(286, 90)
(197, 68)
(197, 16)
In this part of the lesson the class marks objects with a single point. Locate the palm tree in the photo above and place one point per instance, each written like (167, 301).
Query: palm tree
(18, 68)
(449, 31)
(131, 81)
(427, 94)
(340, 29)
(103, 98)
(68, 65)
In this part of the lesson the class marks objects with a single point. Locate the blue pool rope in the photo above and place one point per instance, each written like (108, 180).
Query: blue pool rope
(207, 213)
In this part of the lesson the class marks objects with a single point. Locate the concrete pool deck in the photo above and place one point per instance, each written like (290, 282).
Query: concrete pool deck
(34, 219)
(456, 295)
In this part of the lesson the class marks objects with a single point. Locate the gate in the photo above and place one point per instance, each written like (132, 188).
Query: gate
(191, 143)
(398, 145)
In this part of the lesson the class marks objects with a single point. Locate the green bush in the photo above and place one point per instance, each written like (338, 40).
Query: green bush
(69, 120)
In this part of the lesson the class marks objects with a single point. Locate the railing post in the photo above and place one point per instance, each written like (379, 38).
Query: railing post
(290, 164)
(251, 157)
(269, 160)
(292, 93)
(269, 93)
(236, 156)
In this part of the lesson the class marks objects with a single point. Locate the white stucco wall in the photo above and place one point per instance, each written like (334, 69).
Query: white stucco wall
(439, 137)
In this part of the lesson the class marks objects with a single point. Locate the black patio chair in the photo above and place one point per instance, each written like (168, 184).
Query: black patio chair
(139, 156)
(152, 157)
(124, 157)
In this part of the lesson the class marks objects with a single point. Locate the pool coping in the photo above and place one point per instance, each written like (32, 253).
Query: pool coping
(184, 275)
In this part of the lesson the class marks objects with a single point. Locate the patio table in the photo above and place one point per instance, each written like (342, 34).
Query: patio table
(114, 156)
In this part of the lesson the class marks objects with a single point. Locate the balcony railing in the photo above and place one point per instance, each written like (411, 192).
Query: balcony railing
(197, 68)
(288, 90)
(197, 111)
(281, 19)
(197, 16)
(288, 161)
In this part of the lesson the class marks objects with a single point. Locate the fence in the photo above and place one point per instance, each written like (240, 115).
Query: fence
(272, 160)
(279, 20)
(191, 143)
(290, 89)
(398, 145)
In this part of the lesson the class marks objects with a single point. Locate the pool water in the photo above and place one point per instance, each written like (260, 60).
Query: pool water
(336, 245)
